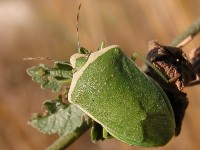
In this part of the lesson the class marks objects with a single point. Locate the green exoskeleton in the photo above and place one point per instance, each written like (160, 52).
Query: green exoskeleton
(111, 89)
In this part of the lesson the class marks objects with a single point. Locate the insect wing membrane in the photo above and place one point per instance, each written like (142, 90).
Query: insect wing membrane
(114, 92)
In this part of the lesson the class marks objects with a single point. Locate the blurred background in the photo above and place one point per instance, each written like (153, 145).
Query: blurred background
(47, 28)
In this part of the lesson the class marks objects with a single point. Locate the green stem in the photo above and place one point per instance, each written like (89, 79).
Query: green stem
(190, 31)
(66, 140)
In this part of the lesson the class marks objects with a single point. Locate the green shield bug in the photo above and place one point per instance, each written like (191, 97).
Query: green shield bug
(113, 91)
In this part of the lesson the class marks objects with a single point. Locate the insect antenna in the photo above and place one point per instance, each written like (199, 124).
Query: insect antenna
(38, 58)
(77, 28)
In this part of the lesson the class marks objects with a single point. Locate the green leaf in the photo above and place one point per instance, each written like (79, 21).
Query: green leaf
(51, 77)
(54, 106)
(60, 74)
(63, 65)
(62, 70)
(62, 121)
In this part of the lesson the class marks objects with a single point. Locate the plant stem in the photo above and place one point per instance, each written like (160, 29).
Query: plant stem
(190, 31)
(66, 140)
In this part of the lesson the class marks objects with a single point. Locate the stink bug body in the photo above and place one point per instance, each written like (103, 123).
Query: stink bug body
(112, 90)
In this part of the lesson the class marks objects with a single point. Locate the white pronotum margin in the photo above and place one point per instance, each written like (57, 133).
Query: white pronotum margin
(74, 57)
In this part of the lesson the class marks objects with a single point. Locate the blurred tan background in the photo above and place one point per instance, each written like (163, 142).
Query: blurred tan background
(47, 28)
